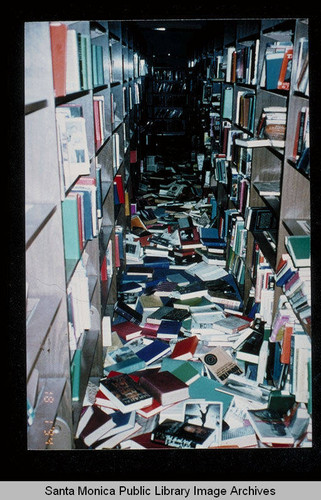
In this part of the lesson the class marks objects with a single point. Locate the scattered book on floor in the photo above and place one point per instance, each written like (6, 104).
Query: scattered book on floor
(98, 423)
(165, 387)
(169, 329)
(270, 427)
(183, 435)
(154, 351)
(127, 330)
(125, 392)
(186, 372)
(185, 348)
(220, 364)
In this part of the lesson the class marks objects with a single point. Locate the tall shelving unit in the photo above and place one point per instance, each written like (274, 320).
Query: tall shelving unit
(58, 366)
(291, 208)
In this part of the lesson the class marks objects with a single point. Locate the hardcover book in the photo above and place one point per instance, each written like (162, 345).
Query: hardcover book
(185, 349)
(153, 351)
(169, 329)
(165, 387)
(97, 425)
(125, 392)
(127, 330)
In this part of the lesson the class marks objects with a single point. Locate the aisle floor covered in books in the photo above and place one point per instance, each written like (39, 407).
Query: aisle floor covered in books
(188, 361)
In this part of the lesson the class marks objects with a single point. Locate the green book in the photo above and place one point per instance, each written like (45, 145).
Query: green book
(299, 248)
(75, 372)
(206, 388)
(186, 373)
(70, 228)
(172, 364)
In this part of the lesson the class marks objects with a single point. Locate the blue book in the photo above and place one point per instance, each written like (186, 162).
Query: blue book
(169, 329)
(273, 67)
(214, 208)
(209, 233)
(162, 262)
(286, 276)
(153, 351)
(228, 103)
(125, 361)
(86, 212)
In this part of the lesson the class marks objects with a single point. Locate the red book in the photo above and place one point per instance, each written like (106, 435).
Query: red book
(165, 387)
(98, 135)
(133, 156)
(117, 259)
(185, 349)
(127, 330)
(103, 269)
(58, 38)
(286, 344)
(150, 330)
(284, 83)
(120, 188)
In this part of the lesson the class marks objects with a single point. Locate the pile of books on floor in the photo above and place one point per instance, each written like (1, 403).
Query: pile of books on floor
(185, 366)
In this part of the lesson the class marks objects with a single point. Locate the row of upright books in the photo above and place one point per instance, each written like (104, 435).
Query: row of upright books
(241, 65)
(77, 62)
(185, 365)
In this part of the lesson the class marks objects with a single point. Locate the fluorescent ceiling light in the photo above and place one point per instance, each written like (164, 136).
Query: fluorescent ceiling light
(160, 29)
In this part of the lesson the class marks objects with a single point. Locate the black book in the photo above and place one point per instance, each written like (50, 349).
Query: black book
(183, 435)
(127, 312)
(250, 350)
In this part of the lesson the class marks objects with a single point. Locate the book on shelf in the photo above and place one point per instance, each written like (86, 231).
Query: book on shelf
(71, 228)
(125, 392)
(183, 435)
(74, 74)
(99, 119)
(276, 69)
(164, 386)
(302, 133)
(301, 81)
(58, 39)
(268, 188)
(258, 219)
(299, 247)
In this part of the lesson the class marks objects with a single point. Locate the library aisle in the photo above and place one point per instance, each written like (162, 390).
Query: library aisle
(168, 269)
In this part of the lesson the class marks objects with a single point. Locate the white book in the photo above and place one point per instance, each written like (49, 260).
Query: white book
(72, 64)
